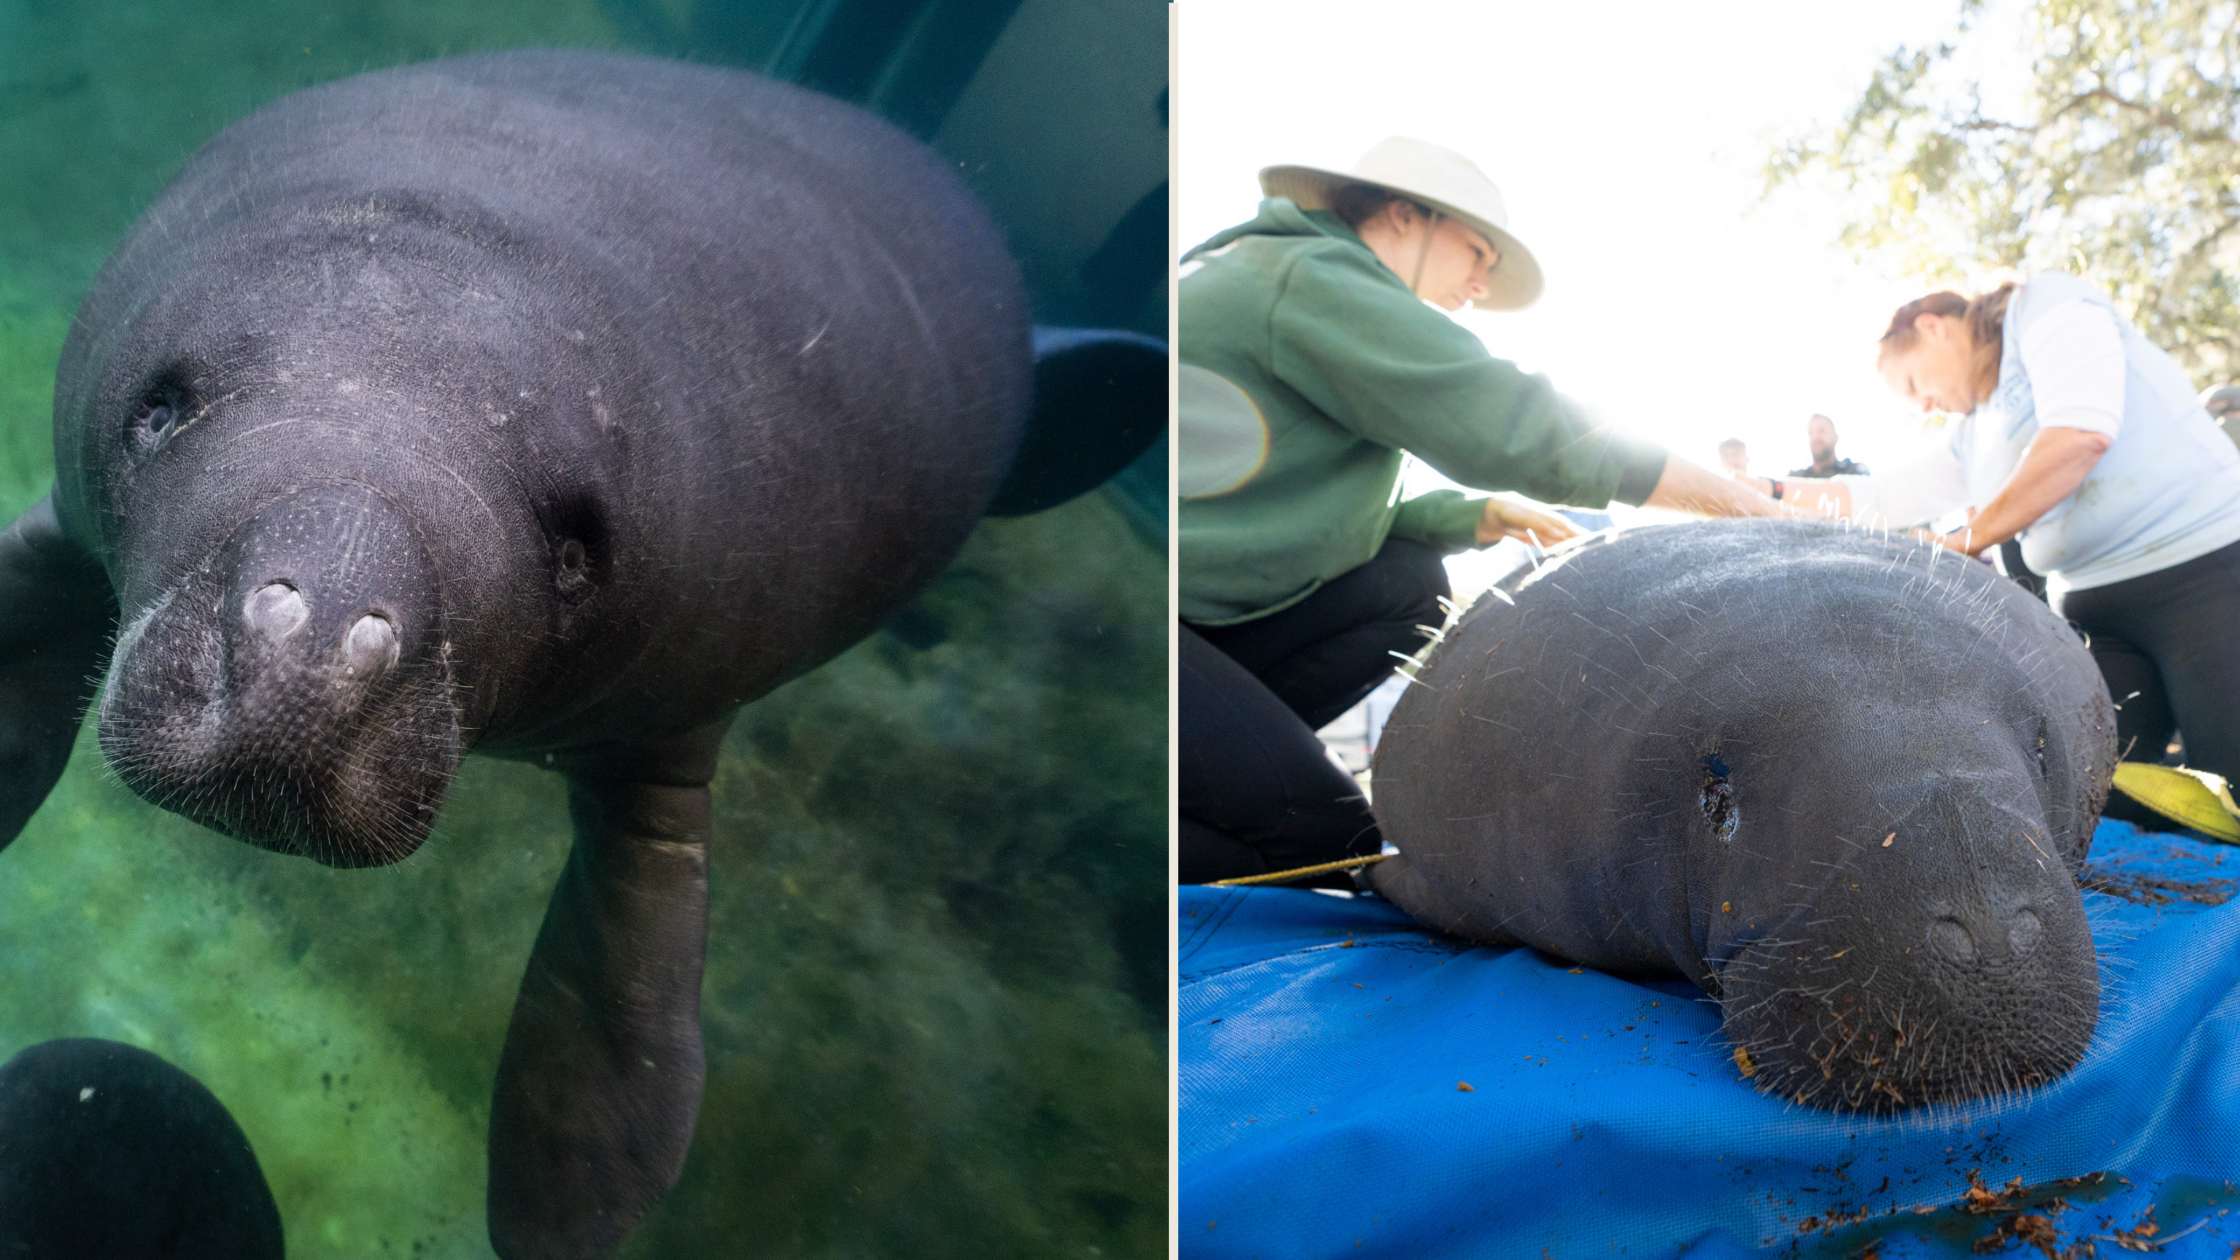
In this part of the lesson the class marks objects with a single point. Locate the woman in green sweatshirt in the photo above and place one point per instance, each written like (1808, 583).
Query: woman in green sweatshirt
(1313, 363)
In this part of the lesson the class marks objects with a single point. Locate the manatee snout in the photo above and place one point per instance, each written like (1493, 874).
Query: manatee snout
(1964, 969)
(294, 693)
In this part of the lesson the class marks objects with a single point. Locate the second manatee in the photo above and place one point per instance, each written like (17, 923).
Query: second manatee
(1841, 779)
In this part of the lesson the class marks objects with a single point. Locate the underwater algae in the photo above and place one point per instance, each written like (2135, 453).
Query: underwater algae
(934, 987)
(924, 1034)
(933, 996)
(31, 333)
(933, 991)
(101, 101)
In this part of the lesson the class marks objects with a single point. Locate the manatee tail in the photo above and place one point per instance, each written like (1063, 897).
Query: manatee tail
(56, 616)
(1100, 399)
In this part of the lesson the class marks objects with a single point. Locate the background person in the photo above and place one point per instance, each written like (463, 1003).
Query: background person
(1311, 366)
(1820, 436)
(2086, 441)
(2222, 402)
(1734, 457)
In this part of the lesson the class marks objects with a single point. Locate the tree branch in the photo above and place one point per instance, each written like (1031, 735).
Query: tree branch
(2129, 182)
(1993, 124)
(2162, 116)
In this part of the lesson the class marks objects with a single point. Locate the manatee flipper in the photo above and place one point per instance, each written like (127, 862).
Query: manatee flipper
(1100, 398)
(56, 615)
(599, 1083)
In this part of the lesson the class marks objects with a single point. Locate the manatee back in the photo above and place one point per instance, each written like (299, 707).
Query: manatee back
(1660, 722)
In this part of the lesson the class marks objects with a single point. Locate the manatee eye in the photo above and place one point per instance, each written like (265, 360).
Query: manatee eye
(582, 558)
(573, 582)
(1717, 799)
(160, 412)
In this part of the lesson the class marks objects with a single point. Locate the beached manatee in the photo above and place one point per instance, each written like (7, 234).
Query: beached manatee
(1840, 779)
(550, 405)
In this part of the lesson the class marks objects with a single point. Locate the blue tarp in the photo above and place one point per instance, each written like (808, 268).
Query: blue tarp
(1325, 1043)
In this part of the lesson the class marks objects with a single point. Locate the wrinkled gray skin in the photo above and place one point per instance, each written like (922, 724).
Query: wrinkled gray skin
(1841, 780)
(550, 405)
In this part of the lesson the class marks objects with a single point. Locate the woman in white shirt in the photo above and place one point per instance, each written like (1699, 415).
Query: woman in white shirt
(2086, 442)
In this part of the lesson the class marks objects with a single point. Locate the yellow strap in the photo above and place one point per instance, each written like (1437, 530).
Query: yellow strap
(2193, 798)
(1277, 877)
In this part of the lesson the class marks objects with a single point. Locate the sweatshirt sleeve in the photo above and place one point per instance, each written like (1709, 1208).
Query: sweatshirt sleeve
(1351, 339)
(2074, 357)
(1445, 519)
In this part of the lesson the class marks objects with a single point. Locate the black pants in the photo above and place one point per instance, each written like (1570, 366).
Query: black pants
(2012, 564)
(2168, 643)
(1259, 792)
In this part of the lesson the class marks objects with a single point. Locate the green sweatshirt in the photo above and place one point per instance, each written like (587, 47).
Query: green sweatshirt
(1309, 372)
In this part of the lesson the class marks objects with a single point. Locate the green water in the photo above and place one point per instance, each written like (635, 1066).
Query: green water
(935, 983)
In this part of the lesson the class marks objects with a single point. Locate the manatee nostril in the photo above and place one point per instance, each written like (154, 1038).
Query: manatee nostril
(275, 610)
(371, 646)
(1949, 938)
(2024, 934)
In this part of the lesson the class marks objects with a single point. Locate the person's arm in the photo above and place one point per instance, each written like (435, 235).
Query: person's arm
(1917, 491)
(2073, 355)
(2054, 464)
(1504, 519)
(1454, 522)
(1698, 491)
(1355, 344)
(1812, 496)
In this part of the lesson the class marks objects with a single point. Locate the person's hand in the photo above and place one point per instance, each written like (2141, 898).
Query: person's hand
(1689, 487)
(1503, 519)
(1961, 540)
(1819, 499)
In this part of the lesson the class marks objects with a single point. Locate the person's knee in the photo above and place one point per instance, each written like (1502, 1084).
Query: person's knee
(1425, 563)
(1413, 582)
(1205, 853)
(2144, 719)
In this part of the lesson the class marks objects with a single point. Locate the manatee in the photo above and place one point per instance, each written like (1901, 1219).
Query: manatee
(107, 1152)
(547, 405)
(1840, 779)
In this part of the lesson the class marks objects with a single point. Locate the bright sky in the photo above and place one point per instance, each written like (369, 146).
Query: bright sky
(1627, 139)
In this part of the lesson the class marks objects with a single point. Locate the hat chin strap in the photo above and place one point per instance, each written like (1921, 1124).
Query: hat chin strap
(1423, 253)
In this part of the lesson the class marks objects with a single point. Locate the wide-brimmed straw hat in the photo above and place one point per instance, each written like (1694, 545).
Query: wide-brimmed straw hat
(1440, 178)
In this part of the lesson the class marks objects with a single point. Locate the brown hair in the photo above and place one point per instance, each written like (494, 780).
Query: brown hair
(1984, 316)
(1358, 203)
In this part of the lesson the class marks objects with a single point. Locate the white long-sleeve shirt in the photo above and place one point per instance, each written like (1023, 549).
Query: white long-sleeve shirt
(2166, 491)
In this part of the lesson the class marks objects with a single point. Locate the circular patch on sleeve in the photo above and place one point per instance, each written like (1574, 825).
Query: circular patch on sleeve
(1224, 439)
